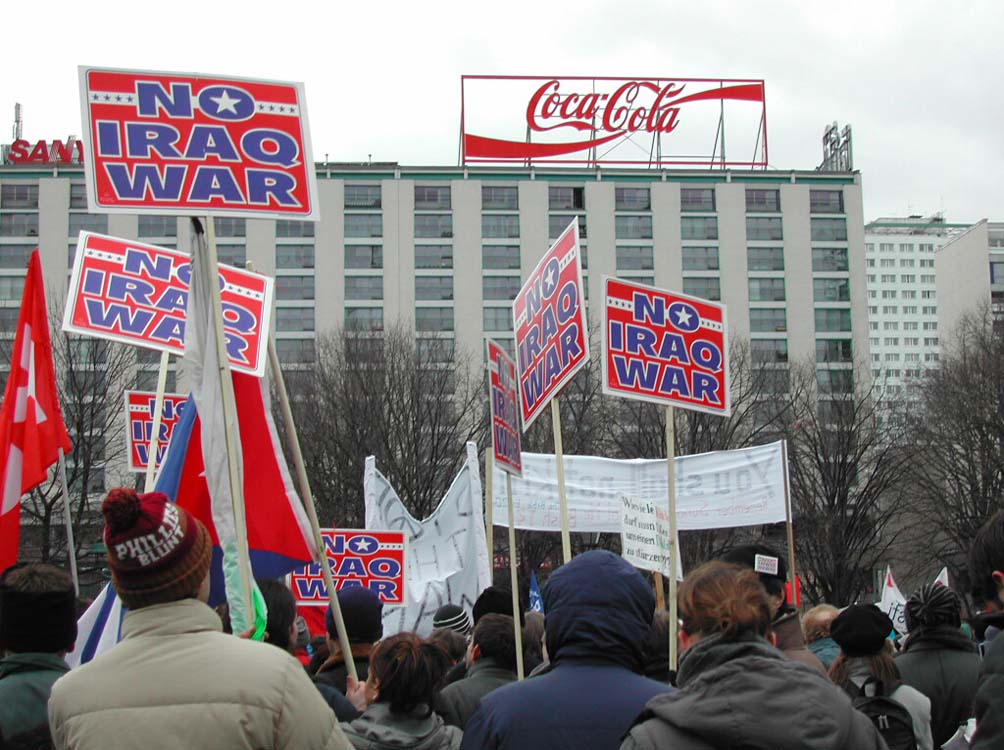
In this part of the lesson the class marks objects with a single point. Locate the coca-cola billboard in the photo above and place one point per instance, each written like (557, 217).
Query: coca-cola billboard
(681, 122)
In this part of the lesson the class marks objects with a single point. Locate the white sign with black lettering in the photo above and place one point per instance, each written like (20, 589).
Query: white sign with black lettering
(645, 539)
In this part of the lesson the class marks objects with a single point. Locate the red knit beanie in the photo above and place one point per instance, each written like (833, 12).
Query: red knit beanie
(156, 551)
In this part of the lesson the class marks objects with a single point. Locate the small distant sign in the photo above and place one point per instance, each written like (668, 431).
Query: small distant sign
(504, 407)
(140, 409)
(374, 559)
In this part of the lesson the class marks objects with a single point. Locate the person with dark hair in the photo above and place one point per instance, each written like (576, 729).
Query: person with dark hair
(497, 600)
(598, 609)
(816, 629)
(280, 604)
(491, 663)
(986, 569)
(657, 648)
(175, 680)
(736, 688)
(939, 659)
(533, 637)
(786, 625)
(866, 662)
(454, 644)
(38, 626)
(362, 612)
(398, 697)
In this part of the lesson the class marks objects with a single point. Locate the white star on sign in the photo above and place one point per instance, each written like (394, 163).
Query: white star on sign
(224, 102)
(361, 545)
(549, 278)
(682, 316)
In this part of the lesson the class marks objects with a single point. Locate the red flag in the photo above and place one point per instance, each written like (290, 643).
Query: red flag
(31, 423)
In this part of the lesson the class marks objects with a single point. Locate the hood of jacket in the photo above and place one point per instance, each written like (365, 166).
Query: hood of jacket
(937, 638)
(379, 728)
(32, 661)
(746, 693)
(598, 607)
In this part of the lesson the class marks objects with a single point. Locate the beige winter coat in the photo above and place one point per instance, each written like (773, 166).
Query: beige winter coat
(176, 681)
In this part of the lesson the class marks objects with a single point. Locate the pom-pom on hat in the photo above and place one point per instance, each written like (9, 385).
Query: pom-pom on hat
(861, 630)
(157, 551)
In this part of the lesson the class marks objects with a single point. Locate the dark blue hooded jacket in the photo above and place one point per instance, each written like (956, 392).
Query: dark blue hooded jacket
(598, 612)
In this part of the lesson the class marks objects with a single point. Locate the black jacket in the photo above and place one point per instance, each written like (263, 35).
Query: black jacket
(457, 701)
(943, 664)
(990, 693)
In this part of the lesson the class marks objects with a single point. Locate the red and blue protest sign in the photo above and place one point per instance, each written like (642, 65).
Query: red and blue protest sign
(140, 406)
(180, 143)
(665, 347)
(137, 294)
(549, 315)
(504, 407)
(374, 559)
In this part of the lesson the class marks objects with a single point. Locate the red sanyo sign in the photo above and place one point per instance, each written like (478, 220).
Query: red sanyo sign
(639, 121)
(44, 152)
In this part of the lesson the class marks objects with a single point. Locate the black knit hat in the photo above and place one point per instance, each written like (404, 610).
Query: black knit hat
(861, 630)
(362, 612)
(495, 600)
(452, 617)
(933, 605)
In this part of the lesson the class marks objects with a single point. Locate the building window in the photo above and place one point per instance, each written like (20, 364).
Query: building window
(78, 195)
(908, 278)
(766, 290)
(835, 381)
(294, 319)
(833, 320)
(697, 258)
(434, 319)
(435, 350)
(232, 255)
(228, 226)
(294, 287)
(498, 319)
(433, 256)
(432, 197)
(363, 256)
(433, 226)
(87, 223)
(765, 258)
(291, 228)
(764, 228)
(769, 350)
(500, 287)
(633, 227)
(704, 287)
(294, 256)
(697, 199)
(500, 257)
(632, 199)
(146, 380)
(831, 290)
(829, 259)
(997, 273)
(297, 351)
(364, 318)
(566, 198)
(768, 320)
(156, 226)
(834, 350)
(763, 201)
(362, 196)
(500, 226)
(499, 198)
(635, 258)
(363, 225)
(433, 288)
(19, 195)
(828, 230)
(826, 201)
(11, 288)
(15, 256)
(362, 287)
(699, 227)
(558, 223)
(906, 263)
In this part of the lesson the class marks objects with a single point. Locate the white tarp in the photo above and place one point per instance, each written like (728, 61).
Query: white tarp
(713, 490)
(447, 554)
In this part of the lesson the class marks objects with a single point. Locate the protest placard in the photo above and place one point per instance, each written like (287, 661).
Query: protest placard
(373, 559)
(140, 407)
(504, 409)
(645, 535)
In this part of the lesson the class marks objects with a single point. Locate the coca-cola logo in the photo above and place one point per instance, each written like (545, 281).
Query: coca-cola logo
(624, 110)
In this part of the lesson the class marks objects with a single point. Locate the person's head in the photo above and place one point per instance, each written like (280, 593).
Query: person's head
(657, 647)
(452, 617)
(280, 628)
(986, 563)
(722, 599)
(933, 605)
(748, 555)
(533, 634)
(37, 610)
(362, 612)
(816, 622)
(494, 639)
(862, 632)
(157, 551)
(405, 673)
(454, 644)
(494, 599)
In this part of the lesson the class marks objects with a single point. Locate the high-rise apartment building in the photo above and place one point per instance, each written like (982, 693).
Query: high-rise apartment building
(970, 272)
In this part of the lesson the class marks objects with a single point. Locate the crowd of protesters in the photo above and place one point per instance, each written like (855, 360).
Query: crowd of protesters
(752, 673)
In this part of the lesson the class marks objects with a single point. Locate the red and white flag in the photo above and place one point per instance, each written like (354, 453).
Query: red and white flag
(31, 423)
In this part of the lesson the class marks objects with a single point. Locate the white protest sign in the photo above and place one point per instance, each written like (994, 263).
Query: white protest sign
(645, 539)
(893, 603)
(765, 564)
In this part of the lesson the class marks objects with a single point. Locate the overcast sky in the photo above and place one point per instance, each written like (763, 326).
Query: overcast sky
(920, 82)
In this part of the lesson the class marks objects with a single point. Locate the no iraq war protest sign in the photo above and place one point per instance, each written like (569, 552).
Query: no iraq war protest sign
(140, 407)
(374, 559)
(504, 407)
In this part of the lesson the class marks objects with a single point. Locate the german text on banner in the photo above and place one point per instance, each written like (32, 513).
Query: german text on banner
(187, 144)
(549, 317)
(137, 294)
(447, 560)
(504, 408)
(664, 347)
(140, 406)
(723, 489)
(645, 537)
(373, 559)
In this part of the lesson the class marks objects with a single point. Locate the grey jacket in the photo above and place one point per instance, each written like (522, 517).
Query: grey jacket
(915, 702)
(457, 701)
(381, 729)
(746, 693)
(989, 700)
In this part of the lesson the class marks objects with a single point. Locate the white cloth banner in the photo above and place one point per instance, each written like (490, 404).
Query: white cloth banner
(645, 541)
(893, 603)
(447, 554)
(713, 490)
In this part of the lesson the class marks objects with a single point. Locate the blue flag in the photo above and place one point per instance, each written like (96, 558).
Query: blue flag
(536, 601)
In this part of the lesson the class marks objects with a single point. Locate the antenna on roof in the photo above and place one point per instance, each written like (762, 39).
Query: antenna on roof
(17, 122)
